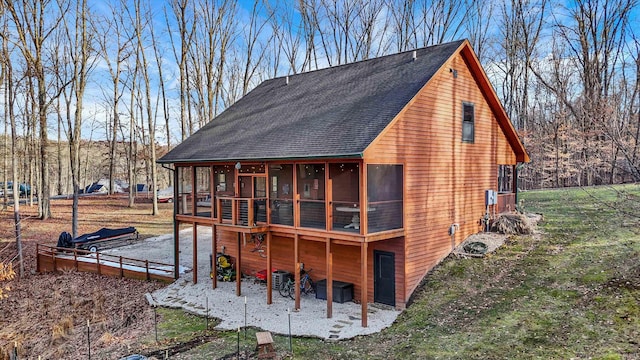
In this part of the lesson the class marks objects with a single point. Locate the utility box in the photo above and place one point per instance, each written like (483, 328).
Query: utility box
(279, 277)
(342, 291)
(490, 197)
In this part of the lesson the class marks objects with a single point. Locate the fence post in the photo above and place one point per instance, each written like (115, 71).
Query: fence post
(53, 256)
(121, 270)
(37, 257)
(89, 338)
(98, 262)
(146, 265)
(75, 258)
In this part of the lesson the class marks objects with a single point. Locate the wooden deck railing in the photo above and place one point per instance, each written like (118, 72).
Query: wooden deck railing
(51, 258)
(239, 211)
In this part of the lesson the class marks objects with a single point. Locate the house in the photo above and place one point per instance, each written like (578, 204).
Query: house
(369, 173)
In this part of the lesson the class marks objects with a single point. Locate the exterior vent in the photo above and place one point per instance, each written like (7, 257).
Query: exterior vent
(414, 56)
(286, 80)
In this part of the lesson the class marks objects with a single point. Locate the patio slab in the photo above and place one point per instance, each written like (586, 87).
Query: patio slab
(222, 302)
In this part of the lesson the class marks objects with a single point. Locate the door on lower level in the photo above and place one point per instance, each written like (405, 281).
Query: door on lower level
(384, 278)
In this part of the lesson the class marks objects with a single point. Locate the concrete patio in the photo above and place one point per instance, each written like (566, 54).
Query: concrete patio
(222, 302)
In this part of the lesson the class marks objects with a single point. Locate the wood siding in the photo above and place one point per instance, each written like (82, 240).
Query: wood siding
(445, 178)
(346, 259)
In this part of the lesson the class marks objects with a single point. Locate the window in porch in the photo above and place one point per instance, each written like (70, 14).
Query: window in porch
(281, 193)
(223, 182)
(185, 175)
(384, 194)
(203, 191)
(311, 189)
(345, 183)
(505, 179)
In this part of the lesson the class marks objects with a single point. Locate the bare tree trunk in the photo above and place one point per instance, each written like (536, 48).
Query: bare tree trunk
(150, 119)
(81, 67)
(32, 31)
(165, 104)
(131, 152)
(59, 148)
(9, 108)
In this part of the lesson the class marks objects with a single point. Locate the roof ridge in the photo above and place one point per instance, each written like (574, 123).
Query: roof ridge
(459, 41)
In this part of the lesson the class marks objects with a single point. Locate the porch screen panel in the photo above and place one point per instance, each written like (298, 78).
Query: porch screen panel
(505, 178)
(345, 181)
(185, 206)
(384, 192)
(312, 195)
(260, 198)
(223, 181)
(280, 184)
(203, 191)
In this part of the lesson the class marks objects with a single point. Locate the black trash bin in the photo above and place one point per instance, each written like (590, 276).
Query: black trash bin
(342, 291)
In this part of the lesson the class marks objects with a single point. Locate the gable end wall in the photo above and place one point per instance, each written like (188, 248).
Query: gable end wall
(445, 179)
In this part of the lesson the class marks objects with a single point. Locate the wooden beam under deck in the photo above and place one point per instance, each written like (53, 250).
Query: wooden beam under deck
(214, 258)
(238, 268)
(364, 299)
(269, 277)
(296, 261)
(329, 286)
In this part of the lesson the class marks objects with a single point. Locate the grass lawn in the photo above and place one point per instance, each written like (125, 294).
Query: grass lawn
(572, 292)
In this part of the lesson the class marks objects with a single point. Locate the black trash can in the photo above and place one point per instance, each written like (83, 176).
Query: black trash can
(342, 291)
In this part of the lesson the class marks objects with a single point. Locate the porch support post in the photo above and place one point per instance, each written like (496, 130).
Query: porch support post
(269, 277)
(214, 246)
(194, 192)
(176, 227)
(296, 270)
(238, 272)
(364, 299)
(195, 253)
(212, 193)
(364, 204)
(176, 247)
(329, 285)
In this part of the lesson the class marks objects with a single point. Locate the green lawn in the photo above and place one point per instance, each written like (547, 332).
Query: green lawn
(572, 292)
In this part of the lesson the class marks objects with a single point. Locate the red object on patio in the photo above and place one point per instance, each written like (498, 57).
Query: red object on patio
(262, 275)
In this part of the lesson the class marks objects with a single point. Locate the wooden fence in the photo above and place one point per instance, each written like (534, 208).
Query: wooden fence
(51, 258)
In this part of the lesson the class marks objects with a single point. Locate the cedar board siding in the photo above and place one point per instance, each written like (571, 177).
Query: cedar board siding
(445, 179)
(346, 259)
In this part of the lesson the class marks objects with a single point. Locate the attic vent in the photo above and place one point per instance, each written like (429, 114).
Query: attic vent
(286, 80)
(414, 56)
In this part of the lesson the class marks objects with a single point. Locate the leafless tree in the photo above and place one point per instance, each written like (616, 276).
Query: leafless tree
(115, 48)
(592, 45)
(80, 36)
(33, 22)
(9, 90)
(141, 19)
(186, 31)
(520, 25)
(403, 19)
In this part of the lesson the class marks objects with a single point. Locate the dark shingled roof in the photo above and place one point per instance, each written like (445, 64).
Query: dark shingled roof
(333, 112)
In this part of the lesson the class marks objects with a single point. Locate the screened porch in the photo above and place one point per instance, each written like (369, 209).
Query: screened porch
(328, 196)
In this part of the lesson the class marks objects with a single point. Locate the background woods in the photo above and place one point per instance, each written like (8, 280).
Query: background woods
(95, 91)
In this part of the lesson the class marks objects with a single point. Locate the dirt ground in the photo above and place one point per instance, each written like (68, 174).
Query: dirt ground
(46, 314)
